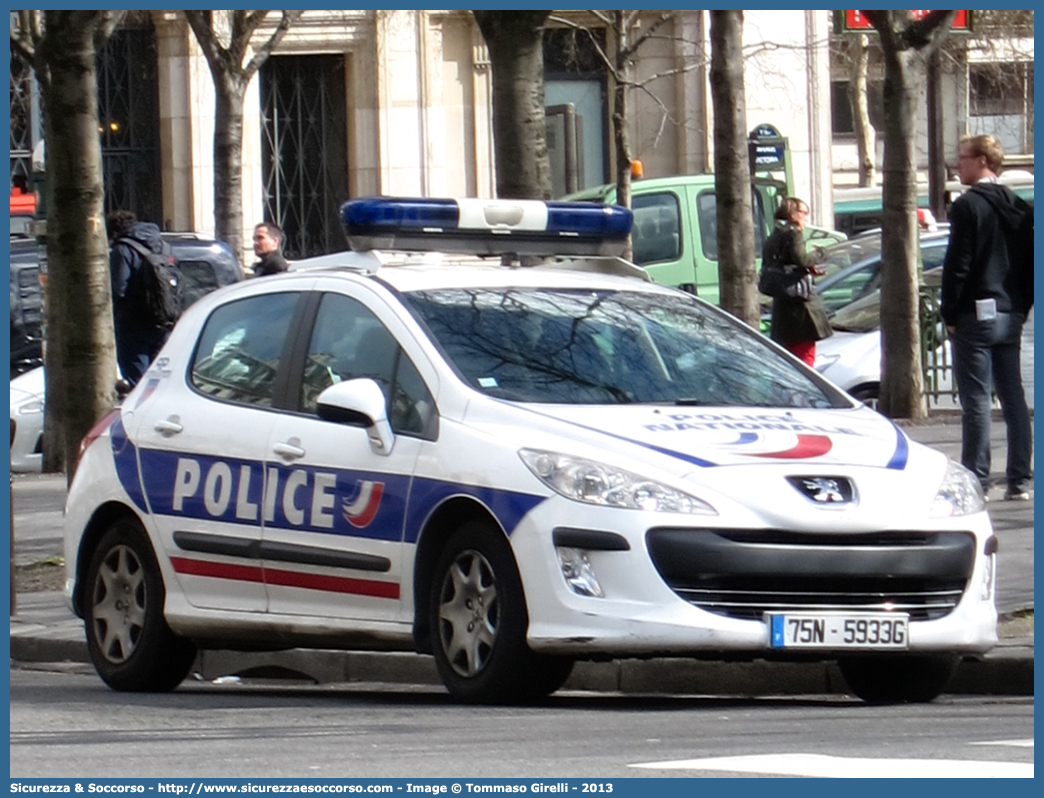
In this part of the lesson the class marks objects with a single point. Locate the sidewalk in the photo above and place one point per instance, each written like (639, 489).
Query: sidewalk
(44, 631)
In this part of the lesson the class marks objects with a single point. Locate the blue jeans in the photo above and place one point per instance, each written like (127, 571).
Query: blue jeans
(983, 350)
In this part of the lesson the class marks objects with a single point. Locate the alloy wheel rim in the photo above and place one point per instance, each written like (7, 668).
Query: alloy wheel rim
(468, 613)
(118, 607)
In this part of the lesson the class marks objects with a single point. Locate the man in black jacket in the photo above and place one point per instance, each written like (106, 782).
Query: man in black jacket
(985, 302)
(138, 338)
(268, 244)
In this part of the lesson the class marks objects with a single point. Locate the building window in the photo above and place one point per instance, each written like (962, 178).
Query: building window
(1000, 103)
(574, 74)
(841, 107)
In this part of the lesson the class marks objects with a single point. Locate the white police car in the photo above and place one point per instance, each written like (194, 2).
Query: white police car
(513, 463)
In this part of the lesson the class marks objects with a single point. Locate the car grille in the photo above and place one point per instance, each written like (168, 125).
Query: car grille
(747, 573)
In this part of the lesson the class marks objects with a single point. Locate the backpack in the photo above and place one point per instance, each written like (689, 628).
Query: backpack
(1018, 239)
(1020, 251)
(161, 283)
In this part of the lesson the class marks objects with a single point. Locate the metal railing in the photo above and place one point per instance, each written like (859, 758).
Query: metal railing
(936, 355)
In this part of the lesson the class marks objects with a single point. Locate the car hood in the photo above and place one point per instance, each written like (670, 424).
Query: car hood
(30, 384)
(680, 439)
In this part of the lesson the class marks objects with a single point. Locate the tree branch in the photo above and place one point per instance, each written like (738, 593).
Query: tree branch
(107, 22)
(26, 36)
(928, 32)
(638, 41)
(265, 50)
(202, 24)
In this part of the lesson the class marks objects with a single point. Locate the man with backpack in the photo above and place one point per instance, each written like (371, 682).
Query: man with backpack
(987, 292)
(145, 291)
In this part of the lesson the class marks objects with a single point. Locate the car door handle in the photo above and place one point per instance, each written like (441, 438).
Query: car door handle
(169, 426)
(290, 450)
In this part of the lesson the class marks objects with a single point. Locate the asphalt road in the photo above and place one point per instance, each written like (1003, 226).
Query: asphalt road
(69, 724)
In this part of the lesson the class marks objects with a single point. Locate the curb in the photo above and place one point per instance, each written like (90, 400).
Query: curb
(1007, 670)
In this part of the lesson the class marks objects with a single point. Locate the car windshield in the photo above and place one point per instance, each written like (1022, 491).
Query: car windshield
(841, 256)
(610, 347)
(863, 315)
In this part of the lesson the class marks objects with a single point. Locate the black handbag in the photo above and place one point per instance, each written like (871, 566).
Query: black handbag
(773, 280)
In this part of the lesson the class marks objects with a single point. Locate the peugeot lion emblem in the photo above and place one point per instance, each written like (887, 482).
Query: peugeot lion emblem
(825, 491)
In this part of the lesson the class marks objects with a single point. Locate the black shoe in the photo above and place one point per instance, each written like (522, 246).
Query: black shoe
(1019, 492)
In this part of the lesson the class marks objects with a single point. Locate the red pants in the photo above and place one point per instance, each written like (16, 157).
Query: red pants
(804, 350)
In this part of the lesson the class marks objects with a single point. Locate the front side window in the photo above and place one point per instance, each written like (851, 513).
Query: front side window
(607, 347)
(240, 349)
(707, 214)
(349, 342)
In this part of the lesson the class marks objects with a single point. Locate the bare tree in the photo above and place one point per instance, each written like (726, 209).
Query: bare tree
(61, 47)
(859, 50)
(737, 278)
(906, 43)
(231, 78)
(515, 43)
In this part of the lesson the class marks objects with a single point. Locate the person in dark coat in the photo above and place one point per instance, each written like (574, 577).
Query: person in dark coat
(138, 338)
(798, 316)
(268, 244)
(984, 305)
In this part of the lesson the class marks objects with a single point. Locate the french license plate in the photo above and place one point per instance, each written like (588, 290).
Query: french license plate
(859, 630)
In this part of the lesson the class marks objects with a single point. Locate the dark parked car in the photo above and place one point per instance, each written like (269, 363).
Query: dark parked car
(205, 264)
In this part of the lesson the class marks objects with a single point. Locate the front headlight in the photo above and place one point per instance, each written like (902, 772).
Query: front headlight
(959, 494)
(596, 483)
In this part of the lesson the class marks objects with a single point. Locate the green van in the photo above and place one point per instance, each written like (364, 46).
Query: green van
(675, 232)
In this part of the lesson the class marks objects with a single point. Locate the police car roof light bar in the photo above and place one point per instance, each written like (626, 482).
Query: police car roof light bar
(486, 227)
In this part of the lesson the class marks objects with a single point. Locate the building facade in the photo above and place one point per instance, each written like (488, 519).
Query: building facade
(354, 103)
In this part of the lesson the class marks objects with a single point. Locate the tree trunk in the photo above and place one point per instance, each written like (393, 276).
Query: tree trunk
(737, 277)
(515, 43)
(81, 359)
(857, 88)
(902, 381)
(621, 139)
(229, 92)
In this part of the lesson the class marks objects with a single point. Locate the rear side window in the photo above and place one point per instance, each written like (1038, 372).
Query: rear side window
(240, 349)
(655, 233)
(197, 279)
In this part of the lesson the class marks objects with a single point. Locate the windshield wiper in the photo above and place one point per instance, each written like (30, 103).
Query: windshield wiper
(690, 402)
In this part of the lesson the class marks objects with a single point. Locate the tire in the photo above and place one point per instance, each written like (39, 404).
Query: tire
(129, 641)
(898, 680)
(868, 395)
(479, 621)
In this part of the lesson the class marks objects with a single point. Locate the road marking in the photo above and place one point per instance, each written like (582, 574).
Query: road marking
(1011, 743)
(821, 766)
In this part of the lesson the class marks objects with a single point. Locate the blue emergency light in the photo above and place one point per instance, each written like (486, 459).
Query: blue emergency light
(486, 227)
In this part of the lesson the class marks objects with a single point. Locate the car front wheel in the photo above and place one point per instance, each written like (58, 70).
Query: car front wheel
(869, 395)
(479, 620)
(898, 680)
(129, 641)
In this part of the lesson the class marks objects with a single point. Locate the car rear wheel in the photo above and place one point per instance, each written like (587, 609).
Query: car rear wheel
(479, 620)
(129, 641)
(898, 680)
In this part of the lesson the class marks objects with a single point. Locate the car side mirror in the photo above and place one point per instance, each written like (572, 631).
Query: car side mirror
(358, 403)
